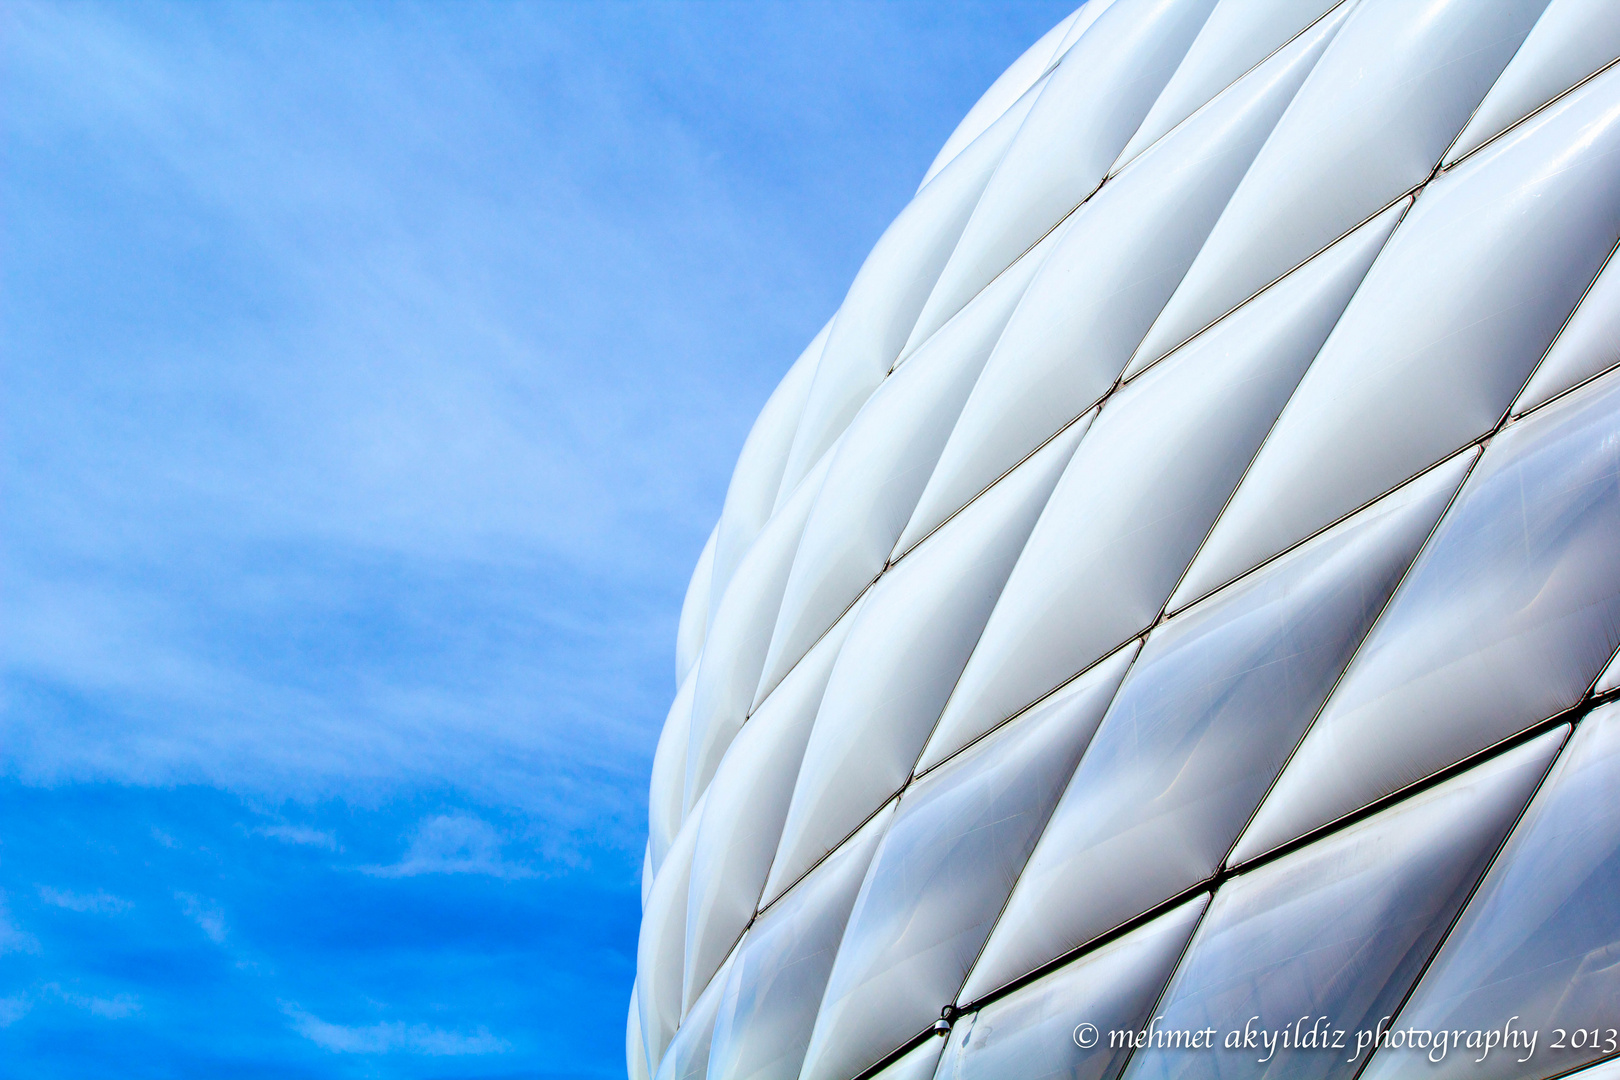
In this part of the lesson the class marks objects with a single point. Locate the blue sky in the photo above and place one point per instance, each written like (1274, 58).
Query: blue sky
(372, 378)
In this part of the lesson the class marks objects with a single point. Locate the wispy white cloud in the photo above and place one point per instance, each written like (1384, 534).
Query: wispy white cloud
(14, 1008)
(397, 406)
(380, 373)
(17, 1006)
(301, 835)
(370, 390)
(392, 1037)
(208, 915)
(96, 903)
(457, 843)
(108, 1008)
(14, 939)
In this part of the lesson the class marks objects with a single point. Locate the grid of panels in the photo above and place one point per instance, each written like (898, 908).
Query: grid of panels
(1181, 580)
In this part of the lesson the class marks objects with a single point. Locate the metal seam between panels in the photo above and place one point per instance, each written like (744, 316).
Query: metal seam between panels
(1372, 627)
(1532, 114)
(1411, 193)
(1383, 401)
(1211, 885)
(1119, 165)
(1553, 344)
(1478, 882)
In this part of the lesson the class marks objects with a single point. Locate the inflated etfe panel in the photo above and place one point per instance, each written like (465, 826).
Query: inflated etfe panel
(1163, 624)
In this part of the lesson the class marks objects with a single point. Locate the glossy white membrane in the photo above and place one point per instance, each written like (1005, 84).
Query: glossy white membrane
(1539, 940)
(1609, 1070)
(634, 1053)
(1008, 88)
(665, 809)
(917, 1064)
(1143, 488)
(1085, 17)
(1203, 723)
(688, 1055)
(1588, 345)
(1090, 691)
(768, 1006)
(881, 306)
(1443, 332)
(1571, 40)
(957, 842)
(746, 804)
(1237, 35)
(902, 656)
(695, 611)
(1087, 111)
(1030, 1033)
(756, 482)
(882, 463)
(659, 950)
(729, 670)
(1119, 257)
(1610, 679)
(1339, 929)
(1388, 97)
(1149, 396)
(1506, 618)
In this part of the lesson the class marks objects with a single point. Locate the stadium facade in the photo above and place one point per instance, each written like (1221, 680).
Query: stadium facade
(1164, 623)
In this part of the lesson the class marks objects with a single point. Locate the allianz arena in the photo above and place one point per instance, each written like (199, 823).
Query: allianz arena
(1176, 595)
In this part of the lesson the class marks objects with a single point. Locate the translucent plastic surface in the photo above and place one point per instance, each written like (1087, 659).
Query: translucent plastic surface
(1011, 85)
(738, 635)
(1445, 329)
(746, 805)
(659, 950)
(1506, 619)
(756, 483)
(941, 875)
(665, 810)
(902, 657)
(1143, 488)
(1086, 113)
(1203, 723)
(1588, 345)
(1099, 290)
(882, 463)
(695, 612)
(1237, 35)
(635, 1053)
(1338, 930)
(1571, 40)
(768, 1006)
(1540, 941)
(918, 1064)
(882, 304)
(1388, 97)
(688, 1055)
(1035, 1033)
